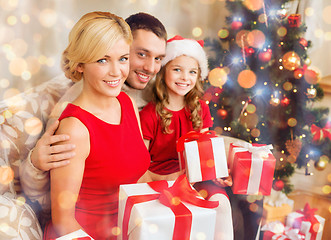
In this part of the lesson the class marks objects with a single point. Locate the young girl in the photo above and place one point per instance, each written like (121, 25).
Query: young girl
(175, 110)
(102, 122)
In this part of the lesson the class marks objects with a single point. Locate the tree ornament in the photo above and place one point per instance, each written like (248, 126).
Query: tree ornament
(320, 134)
(311, 92)
(278, 185)
(285, 102)
(294, 20)
(222, 113)
(249, 51)
(311, 76)
(281, 13)
(265, 56)
(322, 163)
(293, 147)
(291, 60)
(235, 25)
(298, 73)
(274, 101)
(303, 42)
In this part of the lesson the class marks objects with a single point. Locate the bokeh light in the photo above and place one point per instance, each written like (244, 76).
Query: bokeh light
(309, 11)
(201, 236)
(19, 47)
(4, 83)
(17, 66)
(116, 231)
(11, 20)
(251, 108)
(255, 132)
(10, 92)
(6, 175)
(326, 14)
(197, 32)
(33, 126)
(287, 86)
(250, 121)
(223, 33)
(326, 189)
(246, 79)
(253, 5)
(292, 122)
(217, 77)
(282, 31)
(256, 38)
(47, 17)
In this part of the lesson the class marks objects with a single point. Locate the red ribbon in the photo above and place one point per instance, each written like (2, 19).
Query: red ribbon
(205, 151)
(172, 197)
(321, 133)
(308, 215)
(177, 37)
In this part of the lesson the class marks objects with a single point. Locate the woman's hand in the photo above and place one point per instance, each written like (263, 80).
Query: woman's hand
(224, 182)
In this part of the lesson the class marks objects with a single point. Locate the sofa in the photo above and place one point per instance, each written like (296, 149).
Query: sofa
(23, 120)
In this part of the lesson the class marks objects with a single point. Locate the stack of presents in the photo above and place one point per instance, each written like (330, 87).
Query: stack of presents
(174, 210)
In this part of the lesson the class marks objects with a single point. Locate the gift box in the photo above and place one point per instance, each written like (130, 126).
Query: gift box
(309, 223)
(252, 167)
(164, 210)
(203, 156)
(272, 213)
(277, 230)
(276, 207)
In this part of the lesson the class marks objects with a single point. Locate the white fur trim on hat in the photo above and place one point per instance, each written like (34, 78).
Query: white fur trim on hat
(187, 47)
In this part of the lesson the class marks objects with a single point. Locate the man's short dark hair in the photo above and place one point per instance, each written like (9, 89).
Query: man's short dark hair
(147, 22)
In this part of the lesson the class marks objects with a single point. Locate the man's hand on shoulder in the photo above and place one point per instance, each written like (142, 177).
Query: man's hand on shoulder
(45, 156)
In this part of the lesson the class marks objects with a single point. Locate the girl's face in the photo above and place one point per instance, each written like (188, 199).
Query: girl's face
(181, 74)
(107, 75)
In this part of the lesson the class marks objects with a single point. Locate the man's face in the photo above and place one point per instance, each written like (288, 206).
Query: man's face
(146, 53)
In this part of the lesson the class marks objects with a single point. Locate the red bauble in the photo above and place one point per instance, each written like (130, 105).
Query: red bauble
(222, 113)
(285, 102)
(265, 56)
(236, 25)
(249, 51)
(278, 185)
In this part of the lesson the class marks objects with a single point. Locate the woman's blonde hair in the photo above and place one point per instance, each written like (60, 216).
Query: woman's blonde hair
(91, 37)
(192, 104)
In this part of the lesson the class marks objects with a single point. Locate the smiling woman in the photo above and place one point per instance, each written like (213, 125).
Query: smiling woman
(101, 122)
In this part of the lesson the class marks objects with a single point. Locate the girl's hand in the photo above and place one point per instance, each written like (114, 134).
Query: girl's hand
(224, 182)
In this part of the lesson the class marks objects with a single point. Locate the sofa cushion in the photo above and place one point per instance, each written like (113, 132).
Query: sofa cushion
(22, 121)
(17, 220)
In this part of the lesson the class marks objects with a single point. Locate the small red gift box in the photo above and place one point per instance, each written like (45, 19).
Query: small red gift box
(164, 210)
(309, 223)
(277, 230)
(202, 155)
(294, 20)
(252, 168)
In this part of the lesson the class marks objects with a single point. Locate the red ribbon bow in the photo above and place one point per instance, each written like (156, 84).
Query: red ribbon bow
(308, 215)
(172, 197)
(177, 37)
(321, 133)
(194, 136)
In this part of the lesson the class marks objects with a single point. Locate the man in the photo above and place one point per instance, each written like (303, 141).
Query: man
(146, 52)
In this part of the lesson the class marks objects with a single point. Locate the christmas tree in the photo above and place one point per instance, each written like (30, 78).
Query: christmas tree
(262, 88)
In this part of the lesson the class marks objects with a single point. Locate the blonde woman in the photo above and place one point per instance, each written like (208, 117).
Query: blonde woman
(102, 122)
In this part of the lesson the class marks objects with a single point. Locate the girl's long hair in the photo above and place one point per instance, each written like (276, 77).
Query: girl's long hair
(192, 104)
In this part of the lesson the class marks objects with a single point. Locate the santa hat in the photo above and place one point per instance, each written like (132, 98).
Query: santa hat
(178, 46)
